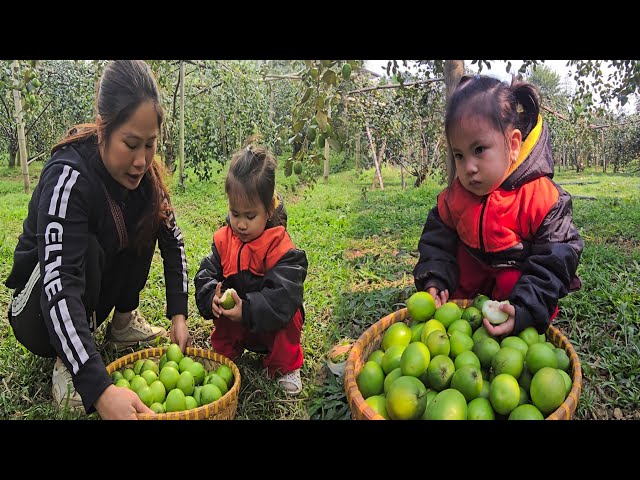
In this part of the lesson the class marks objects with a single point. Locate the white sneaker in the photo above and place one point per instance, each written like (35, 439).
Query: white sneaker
(136, 331)
(291, 382)
(63, 391)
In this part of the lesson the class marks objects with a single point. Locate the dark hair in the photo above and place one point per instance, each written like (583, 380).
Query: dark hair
(505, 106)
(124, 86)
(252, 176)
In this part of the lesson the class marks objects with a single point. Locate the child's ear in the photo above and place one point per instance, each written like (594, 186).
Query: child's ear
(515, 142)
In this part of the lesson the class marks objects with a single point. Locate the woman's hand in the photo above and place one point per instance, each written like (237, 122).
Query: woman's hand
(504, 328)
(119, 403)
(441, 298)
(180, 332)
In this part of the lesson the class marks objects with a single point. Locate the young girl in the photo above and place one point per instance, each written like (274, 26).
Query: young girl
(502, 227)
(254, 255)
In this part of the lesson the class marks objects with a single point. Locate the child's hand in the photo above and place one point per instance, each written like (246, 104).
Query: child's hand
(234, 314)
(440, 298)
(504, 328)
(215, 303)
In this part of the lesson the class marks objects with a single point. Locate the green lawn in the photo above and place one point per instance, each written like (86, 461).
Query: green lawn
(362, 246)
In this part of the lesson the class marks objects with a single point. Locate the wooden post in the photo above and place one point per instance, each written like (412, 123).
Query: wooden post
(453, 71)
(326, 152)
(375, 159)
(22, 143)
(181, 181)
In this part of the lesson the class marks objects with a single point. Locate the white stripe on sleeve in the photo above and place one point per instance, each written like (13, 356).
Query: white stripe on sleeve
(56, 191)
(65, 195)
(71, 331)
(63, 340)
(185, 278)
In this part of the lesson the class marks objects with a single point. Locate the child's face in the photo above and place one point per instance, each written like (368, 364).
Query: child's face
(248, 218)
(481, 154)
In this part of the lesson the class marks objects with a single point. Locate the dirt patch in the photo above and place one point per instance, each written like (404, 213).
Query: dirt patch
(351, 254)
(381, 284)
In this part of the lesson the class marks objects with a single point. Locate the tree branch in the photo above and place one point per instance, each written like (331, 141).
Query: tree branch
(394, 85)
(273, 76)
(32, 159)
(208, 87)
(37, 118)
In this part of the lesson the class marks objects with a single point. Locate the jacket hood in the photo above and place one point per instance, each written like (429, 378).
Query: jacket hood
(535, 159)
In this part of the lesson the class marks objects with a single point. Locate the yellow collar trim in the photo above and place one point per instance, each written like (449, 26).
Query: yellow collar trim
(527, 145)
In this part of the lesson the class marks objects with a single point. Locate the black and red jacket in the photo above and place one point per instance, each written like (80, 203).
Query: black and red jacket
(526, 223)
(75, 198)
(268, 274)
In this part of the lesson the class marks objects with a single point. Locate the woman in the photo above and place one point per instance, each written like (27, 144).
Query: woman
(88, 240)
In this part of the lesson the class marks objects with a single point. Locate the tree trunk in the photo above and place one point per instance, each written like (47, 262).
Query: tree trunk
(402, 179)
(270, 106)
(358, 150)
(181, 181)
(169, 155)
(326, 152)
(22, 144)
(453, 71)
(13, 150)
(223, 132)
(380, 159)
(375, 159)
(602, 148)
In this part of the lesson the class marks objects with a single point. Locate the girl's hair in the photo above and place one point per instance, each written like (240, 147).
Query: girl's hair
(252, 176)
(124, 86)
(504, 106)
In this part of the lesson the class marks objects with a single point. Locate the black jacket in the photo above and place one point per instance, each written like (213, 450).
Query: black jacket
(526, 223)
(268, 273)
(68, 204)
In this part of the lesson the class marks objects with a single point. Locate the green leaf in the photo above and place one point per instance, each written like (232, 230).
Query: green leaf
(329, 77)
(306, 95)
(335, 144)
(321, 118)
(298, 126)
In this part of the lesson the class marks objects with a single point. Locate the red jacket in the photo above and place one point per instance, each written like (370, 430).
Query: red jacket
(526, 223)
(268, 273)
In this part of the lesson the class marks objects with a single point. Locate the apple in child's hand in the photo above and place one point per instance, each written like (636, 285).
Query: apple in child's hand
(491, 311)
(226, 300)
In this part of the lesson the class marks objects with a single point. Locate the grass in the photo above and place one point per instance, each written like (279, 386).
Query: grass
(362, 246)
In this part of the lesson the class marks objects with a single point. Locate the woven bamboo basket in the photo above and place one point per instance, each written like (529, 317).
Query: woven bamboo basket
(222, 409)
(370, 341)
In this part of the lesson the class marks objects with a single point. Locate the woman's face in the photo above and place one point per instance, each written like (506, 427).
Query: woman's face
(482, 154)
(128, 154)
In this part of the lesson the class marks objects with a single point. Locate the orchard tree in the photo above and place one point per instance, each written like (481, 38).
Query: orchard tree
(226, 105)
(21, 77)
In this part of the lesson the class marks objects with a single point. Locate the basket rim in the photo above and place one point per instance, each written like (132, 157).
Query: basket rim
(229, 398)
(357, 402)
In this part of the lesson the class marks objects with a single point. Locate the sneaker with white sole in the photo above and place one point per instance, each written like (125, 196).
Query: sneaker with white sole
(138, 330)
(63, 391)
(291, 382)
